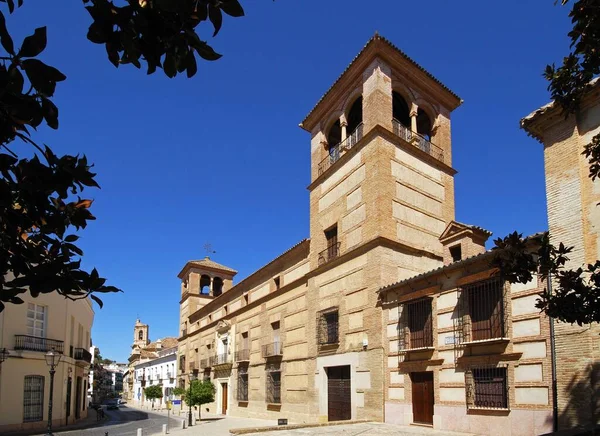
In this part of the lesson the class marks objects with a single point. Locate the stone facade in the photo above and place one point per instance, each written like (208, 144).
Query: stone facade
(574, 219)
(379, 200)
(520, 349)
(320, 334)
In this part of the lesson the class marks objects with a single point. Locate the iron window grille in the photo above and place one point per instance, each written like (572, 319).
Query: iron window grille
(415, 329)
(33, 398)
(273, 394)
(328, 327)
(487, 387)
(242, 392)
(482, 313)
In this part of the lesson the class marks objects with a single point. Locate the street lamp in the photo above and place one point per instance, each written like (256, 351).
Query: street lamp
(52, 359)
(191, 377)
(3, 354)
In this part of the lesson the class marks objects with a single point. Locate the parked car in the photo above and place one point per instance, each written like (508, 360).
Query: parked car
(112, 405)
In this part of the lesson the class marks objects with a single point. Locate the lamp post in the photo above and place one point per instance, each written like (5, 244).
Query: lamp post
(189, 399)
(52, 359)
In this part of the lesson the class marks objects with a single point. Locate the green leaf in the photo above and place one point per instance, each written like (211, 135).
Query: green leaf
(216, 18)
(192, 67)
(97, 300)
(170, 65)
(232, 8)
(5, 38)
(71, 238)
(34, 44)
(50, 113)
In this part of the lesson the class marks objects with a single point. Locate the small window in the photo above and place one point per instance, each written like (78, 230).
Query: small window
(419, 324)
(36, 320)
(489, 388)
(456, 253)
(242, 392)
(277, 282)
(246, 299)
(486, 309)
(33, 398)
(328, 327)
(273, 384)
(206, 374)
(333, 246)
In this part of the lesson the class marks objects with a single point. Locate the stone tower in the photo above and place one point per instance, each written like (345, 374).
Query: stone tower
(201, 282)
(140, 335)
(381, 153)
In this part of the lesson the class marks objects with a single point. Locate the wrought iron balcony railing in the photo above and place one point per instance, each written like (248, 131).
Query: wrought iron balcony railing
(220, 359)
(329, 253)
(83, 355)
(272, 350)
(34, 343)
(242, 355)
(336, 151)
(417, 140)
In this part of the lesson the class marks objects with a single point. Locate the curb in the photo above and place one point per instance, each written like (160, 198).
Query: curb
(237, 431)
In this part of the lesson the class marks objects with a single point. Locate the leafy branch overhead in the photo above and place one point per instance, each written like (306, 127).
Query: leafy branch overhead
(40, 202)
(160, 32)
(574, 294)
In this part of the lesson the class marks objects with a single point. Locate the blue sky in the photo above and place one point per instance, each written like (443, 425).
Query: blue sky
(220, 158)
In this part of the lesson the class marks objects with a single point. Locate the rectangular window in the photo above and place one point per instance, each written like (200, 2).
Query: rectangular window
(36, 320)
(419, 324)
(277, 281)
(456, 253)
(273, 384)
(33, 398)
(242, 394)
(332, 242)
(207, 374)
(486, 309)
(490, 388)
(328, 327)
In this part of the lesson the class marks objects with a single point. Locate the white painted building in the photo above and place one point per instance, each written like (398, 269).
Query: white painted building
(159, 371)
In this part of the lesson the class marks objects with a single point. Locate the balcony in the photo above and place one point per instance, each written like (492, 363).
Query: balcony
(329, 253)
(193, 366)
(206, 363)
(273, 349)
(82, 355)
(242, 356)
(169, 376)
(220, 360)
(33, 343)
(417, 140)
(338, 151)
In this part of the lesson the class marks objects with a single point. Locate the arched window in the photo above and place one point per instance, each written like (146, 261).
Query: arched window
(141, 335)
(334, 137)
(217, 286)
(355, 115)
(423, 124)
(400, 110)
(204, 284)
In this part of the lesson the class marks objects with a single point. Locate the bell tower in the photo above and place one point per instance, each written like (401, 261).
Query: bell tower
(140, 335)
(381, 161)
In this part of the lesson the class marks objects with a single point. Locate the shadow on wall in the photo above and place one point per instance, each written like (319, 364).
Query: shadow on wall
(582, 412)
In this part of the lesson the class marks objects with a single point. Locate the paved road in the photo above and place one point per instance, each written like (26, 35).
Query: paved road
(125, 422)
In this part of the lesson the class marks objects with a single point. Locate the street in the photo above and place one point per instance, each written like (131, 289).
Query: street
(125, 422)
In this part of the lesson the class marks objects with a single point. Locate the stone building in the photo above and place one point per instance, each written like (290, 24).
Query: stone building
(301, 338)
(143, 350)
(574, 219)
(27, 332)
(467, 351)
(389, 311)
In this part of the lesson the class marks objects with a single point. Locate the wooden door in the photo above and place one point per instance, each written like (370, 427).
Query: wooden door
(224, 398)
(422, 397)
(339, 403)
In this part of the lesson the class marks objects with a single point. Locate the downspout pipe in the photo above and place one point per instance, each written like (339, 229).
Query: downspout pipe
(553, 353)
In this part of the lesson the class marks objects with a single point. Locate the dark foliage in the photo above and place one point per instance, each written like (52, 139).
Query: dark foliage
(40, 193)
